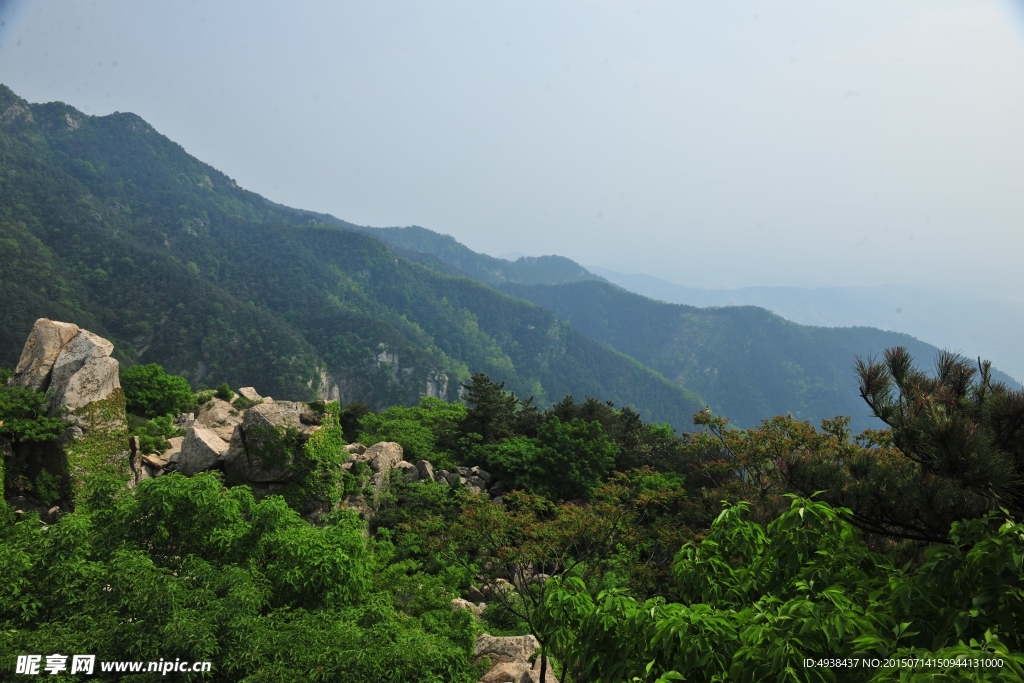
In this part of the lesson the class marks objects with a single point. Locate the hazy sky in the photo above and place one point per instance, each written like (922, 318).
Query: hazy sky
(711, 143)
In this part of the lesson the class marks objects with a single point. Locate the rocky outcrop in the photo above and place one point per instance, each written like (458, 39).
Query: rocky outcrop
(73, 366)
(265, 447)
(219, 416)
(44, 344)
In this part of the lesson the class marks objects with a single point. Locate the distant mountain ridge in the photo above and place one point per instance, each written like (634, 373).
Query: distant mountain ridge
(990, 328)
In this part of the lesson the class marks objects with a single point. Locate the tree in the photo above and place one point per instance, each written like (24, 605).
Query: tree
(150, 392)
(565, 461)
(515, 548)
(496, 414)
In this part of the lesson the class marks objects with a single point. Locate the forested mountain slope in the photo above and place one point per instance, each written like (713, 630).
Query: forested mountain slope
(748, 363)
(106, 223)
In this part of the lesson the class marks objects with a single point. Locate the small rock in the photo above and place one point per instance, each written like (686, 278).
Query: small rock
(474, 594)
(355, 448)
(185, 420)
(52, 515)
(200, 450)
(477, 610)
(218, 413)
(383, 456)
(477, 482)
(474, 490)
(498, 489)
(249, 393)
(425, 470)
(498, 500)
(409, 471)
(477, 471)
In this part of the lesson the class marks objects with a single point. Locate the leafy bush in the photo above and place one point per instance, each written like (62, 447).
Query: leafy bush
(422, 430)
(756, 602)
(151, 392)
(23, 414)
(224, 392)
(153, 434)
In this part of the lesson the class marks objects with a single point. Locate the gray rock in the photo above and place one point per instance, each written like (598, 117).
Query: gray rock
(409, 471)
(508, 672)
(463, 471)
(200, 451)
(217, 413)
(477, 610)
(483, 474)
(383, 456)
(185, 420)
(249, 393)
(498, 489)
(476, 482)
(474, 490)
(251, 452)
(96, 380)
(355, 448)
(43, 346)
(506, 648)
(83, 347)
(425, 470)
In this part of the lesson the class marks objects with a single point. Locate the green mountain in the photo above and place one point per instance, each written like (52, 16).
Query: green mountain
(106, 223)
(747, 362)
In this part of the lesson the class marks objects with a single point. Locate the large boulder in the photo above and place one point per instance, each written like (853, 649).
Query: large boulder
(89, 353)
(201, 450)
(95, 381)
(267, 444)
(42, 347)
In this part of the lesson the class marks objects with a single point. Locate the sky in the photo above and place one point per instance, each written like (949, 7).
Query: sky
(784, 143)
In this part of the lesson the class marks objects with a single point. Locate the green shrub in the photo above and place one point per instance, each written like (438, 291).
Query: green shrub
(204, 396)
(184, 568)
(153, 434)
(421, 430)
(224, 392)
(149, 391)
(243, 403)
(23, 414)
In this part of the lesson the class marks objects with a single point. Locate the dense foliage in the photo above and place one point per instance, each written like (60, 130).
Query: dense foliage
(23, 416)
(186, 568)
(151, 392)
(756, 603)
